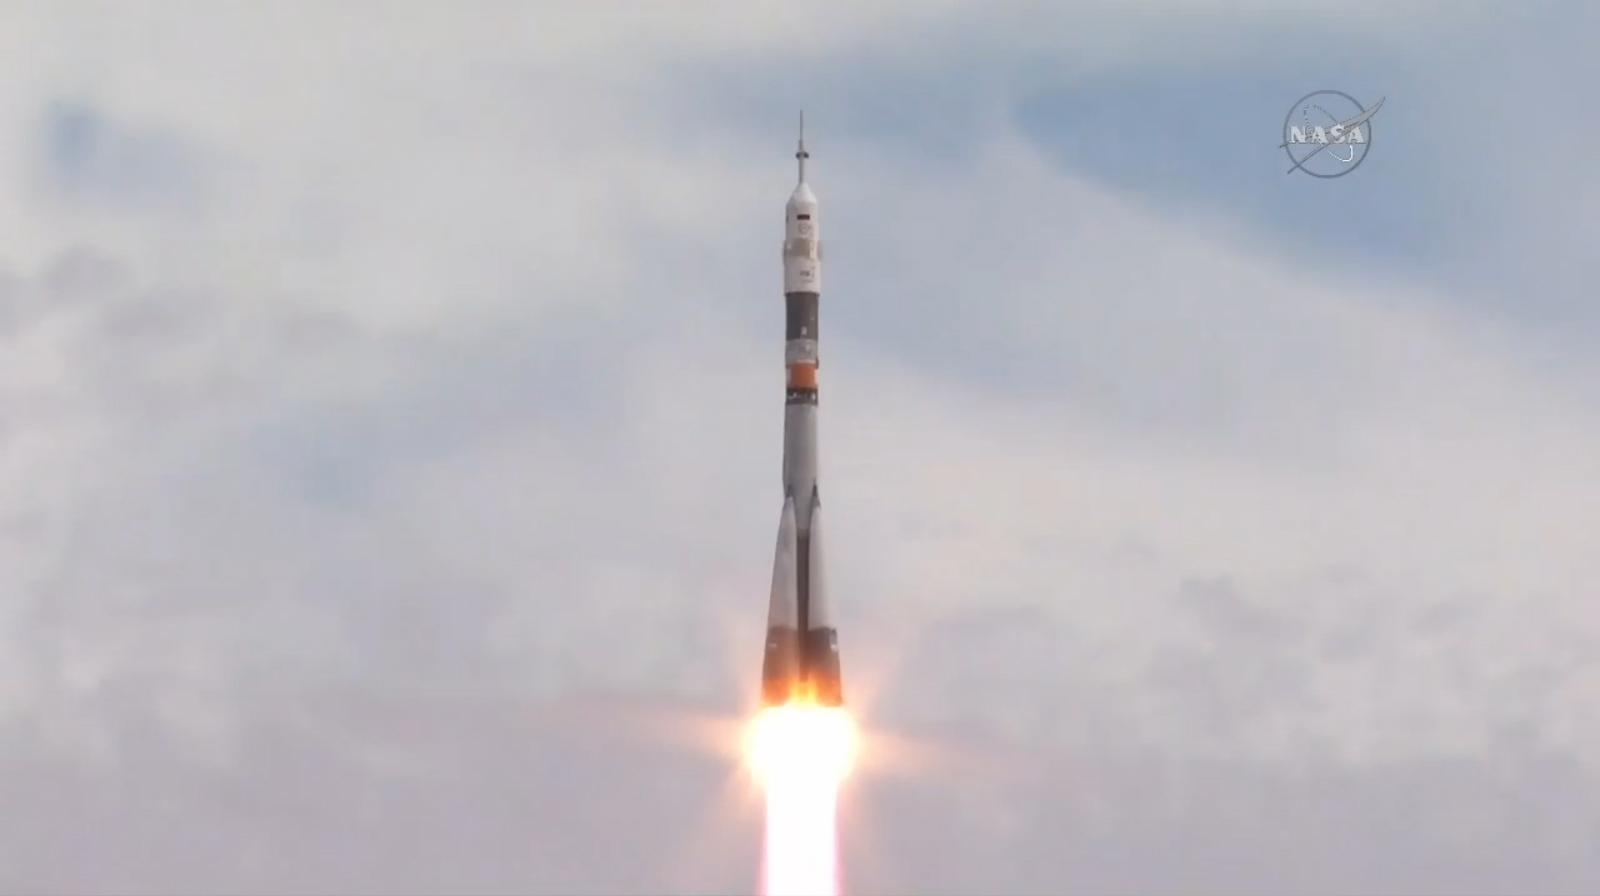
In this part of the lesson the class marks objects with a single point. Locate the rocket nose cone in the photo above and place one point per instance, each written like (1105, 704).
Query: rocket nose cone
(803, 197)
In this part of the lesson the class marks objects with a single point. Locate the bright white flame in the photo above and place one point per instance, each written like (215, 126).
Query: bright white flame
(801, 739)
(801, 753)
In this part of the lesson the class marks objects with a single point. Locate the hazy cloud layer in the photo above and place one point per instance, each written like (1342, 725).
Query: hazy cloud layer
(380, 394)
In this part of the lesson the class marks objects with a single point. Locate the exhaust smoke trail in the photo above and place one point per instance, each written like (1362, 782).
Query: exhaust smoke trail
(801, 754)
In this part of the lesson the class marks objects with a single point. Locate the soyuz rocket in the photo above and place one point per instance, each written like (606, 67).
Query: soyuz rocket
(801, 662)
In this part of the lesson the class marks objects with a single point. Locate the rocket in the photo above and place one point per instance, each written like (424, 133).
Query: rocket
(801, 662)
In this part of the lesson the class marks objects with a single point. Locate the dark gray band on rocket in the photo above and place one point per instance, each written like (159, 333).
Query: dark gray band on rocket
(802, 575)
(800, 396)
(802, 314)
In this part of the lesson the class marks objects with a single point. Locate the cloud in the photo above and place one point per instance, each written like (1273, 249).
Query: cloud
(89, 158)
(441, 406)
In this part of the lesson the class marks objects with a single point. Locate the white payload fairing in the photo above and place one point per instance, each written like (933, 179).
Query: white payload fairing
(802, 652)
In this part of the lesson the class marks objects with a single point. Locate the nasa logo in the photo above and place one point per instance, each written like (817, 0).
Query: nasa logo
(1327, 133)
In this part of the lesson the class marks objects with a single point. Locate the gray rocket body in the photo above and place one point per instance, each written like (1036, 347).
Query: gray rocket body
(802, 651)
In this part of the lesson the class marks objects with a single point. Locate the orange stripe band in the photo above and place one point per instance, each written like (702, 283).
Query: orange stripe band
(803, 375)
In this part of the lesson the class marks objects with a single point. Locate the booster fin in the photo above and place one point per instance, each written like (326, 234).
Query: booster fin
(781, 662)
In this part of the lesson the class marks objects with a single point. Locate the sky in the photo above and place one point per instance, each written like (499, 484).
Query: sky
(390, 451)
